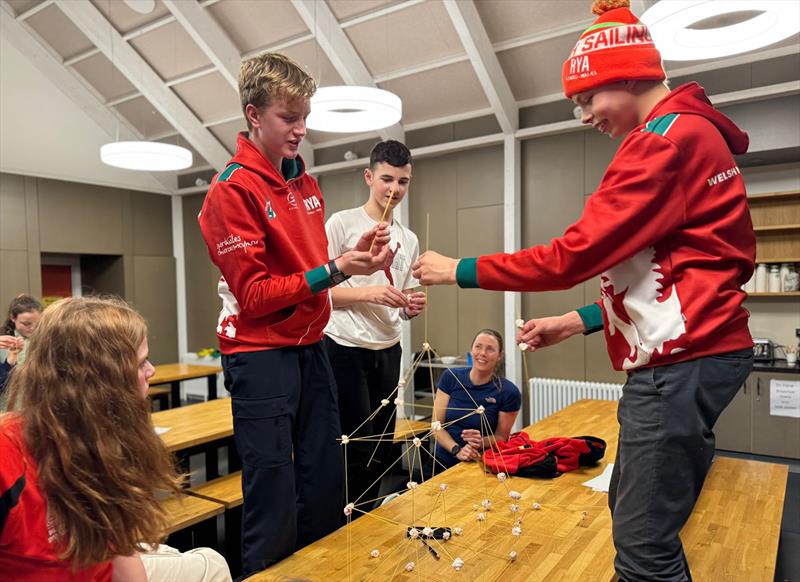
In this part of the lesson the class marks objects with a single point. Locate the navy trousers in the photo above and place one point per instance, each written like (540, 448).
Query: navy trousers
(666, 447)
(285, 422)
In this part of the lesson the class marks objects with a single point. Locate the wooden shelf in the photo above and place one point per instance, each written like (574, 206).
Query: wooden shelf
(781, 260)
(773, 196)
(777, 228)
(780, 294)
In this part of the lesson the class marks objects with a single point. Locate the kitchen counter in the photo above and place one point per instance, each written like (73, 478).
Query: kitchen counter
(777, 366)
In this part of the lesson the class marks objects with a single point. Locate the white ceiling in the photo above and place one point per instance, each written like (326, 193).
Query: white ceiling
(173, 77)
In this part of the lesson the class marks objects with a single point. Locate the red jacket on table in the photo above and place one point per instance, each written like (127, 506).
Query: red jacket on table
(265, 230)
(668, 230)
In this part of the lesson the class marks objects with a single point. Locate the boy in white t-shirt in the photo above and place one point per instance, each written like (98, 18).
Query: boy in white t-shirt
(363, 334)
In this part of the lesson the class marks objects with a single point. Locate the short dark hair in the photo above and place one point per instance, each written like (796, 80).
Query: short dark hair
(392, 152)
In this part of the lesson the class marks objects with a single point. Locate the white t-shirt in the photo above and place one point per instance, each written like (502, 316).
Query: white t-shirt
(367, 325)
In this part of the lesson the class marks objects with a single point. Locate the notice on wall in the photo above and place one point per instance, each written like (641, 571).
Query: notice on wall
(784, 398)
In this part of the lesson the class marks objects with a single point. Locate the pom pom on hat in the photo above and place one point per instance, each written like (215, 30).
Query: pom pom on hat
(617, 47)
(601, 6)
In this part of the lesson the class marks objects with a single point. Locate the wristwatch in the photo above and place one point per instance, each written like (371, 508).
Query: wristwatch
(455, 449)
(335, 274)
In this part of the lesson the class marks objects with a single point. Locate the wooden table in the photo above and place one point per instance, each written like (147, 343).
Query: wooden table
(732, 535)
(197, 428)
(174, 374)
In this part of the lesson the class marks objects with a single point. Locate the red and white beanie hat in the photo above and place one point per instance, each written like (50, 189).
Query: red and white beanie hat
(617, 47)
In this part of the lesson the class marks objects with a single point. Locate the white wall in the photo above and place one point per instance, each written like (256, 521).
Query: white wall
(43, 133)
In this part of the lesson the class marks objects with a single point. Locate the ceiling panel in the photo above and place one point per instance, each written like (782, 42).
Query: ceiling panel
(385, 44)
(108, 81)
(312, 58)
(20, 6)
(534, 70)
(170, 51)
(506, 19)
(144, 117)
(226, 133)
(210, 97)
(423, 93)
(124, 18)
(59, 32)
(344, 9)
(256, 25)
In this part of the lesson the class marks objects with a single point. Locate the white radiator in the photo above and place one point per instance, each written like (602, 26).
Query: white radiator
(549, 395)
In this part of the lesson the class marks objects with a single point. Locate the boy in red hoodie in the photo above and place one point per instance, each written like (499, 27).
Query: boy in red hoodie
(262, 221)
(669, 231)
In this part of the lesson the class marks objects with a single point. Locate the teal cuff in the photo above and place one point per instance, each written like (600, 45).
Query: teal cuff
(318, 279)
(467, 273)
(592, 317)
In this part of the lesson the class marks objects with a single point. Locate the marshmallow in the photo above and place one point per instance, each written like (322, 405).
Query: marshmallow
(410, 567)
(348, 509)
(458, 563)
(512, 555)
(345, 439)
(374, 554)
(501, 477)
(515, 495)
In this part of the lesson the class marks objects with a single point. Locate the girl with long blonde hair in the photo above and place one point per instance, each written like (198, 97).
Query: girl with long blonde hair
(79, 460)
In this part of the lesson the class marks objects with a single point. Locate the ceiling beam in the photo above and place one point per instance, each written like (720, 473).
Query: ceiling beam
(322, 23)
(209, 36)
(467, 22)
(71, 85)
(141, 75)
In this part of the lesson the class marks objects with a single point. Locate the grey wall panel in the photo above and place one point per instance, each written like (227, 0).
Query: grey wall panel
(155, 298)
(343, 190)
(480, 177)
(434, 194)
(80, 218)
(600, 150)
(152, 224)
(480, 232)
(202, 302)
(552, 199)
(13, 221)
(13, 277)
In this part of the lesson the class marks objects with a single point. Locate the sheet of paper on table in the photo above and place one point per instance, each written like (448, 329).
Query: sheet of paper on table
(161, 429)
(602, 481)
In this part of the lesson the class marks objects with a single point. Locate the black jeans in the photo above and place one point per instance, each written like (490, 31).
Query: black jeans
(363, 378)
(285, 422)
(666, 447)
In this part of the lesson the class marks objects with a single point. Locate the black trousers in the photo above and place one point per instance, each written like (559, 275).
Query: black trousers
(285, 422)
(666, 447)
(365, 377)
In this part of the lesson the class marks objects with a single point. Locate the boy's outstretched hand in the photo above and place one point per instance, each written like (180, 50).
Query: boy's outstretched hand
(548, 331)
(363, 262)
(434, 269)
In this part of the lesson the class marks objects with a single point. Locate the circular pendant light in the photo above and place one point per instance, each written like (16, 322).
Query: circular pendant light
(149, 156)
(669, 22)
(353, 109)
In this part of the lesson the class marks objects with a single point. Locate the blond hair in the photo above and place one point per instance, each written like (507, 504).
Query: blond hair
(269, 76)
(88, 427)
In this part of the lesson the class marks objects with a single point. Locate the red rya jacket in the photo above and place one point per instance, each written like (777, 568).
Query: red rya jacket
(265, 230)
(668, 230)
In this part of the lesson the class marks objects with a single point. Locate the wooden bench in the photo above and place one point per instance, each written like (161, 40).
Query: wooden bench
(190, 521)
(227, 491)
(160, 393)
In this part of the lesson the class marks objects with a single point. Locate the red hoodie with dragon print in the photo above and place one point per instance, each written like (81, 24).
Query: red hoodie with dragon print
(669, 232)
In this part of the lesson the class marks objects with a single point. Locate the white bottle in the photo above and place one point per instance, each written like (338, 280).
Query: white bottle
(774, 279)
(750, 286)
(784, 272)
(761, 278)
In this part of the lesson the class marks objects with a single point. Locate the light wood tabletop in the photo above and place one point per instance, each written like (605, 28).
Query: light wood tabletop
(732, 534)
(407, 428)
(194, 425)
(174, 374)
(167, 373)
